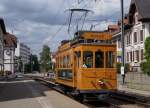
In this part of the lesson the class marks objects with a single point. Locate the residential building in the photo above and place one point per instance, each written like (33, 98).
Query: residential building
(115, 30)
(10, 43)
(22, 52)
(2, 32)
(139, 19)
(137, 28)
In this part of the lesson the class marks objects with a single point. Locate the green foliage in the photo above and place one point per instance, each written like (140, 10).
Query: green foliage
(27, 68)
(118, 67)
(145, 66)
(45, 58)
(35, 63)
(147, 49)
(127, 67)
(1, 73)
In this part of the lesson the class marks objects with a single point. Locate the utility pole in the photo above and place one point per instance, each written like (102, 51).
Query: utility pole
(31, 63)
(122, 41)
(3, 56)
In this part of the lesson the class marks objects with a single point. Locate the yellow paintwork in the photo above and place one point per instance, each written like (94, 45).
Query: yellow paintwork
(97, 35)
(86, 78)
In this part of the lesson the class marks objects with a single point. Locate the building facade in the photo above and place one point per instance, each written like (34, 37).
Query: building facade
(23, 53)
(10, 43)
(2, 32)
(139, 18)
(137, 29)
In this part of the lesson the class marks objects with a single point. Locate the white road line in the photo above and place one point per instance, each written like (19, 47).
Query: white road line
(42, 102)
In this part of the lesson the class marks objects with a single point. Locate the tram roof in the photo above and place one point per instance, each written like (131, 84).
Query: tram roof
(85, 31)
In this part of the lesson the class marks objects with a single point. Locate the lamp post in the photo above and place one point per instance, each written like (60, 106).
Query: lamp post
(122, 41)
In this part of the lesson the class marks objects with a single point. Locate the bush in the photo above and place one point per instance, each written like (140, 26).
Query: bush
(127, 67)
(145, 67)
(1, 73)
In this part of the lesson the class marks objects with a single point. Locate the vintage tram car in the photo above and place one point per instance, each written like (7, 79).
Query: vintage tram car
(87, 63)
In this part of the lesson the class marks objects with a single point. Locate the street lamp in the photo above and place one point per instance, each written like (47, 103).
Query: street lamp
(122, 39)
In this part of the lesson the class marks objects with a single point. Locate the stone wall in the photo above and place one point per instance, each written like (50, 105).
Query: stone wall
(137, 80)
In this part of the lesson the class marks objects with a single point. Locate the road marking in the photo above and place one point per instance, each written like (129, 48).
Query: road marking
(42, 102)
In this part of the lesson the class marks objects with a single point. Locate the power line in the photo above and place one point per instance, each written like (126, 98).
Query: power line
(58, 30)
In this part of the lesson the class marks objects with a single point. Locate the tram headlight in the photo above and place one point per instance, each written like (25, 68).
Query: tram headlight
(101, 83)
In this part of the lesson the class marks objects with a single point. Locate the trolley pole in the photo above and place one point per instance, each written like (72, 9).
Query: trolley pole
(122, 41)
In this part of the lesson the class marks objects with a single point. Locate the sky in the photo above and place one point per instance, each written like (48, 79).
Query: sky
(39, 22)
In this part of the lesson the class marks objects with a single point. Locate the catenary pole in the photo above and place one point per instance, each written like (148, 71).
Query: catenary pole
(122, 41)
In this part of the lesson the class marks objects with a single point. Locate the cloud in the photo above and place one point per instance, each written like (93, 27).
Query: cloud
(38, 22)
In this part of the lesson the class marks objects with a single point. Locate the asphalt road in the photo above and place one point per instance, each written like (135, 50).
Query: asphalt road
(26, 93)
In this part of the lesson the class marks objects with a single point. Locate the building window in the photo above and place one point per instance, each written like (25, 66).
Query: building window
(128, 41)
(136, 18)
(135, 37)
(141, 36)
(129, 36)
(127, 56)
(137, 55)
(143, 26)
(142, 54)
(131, 56)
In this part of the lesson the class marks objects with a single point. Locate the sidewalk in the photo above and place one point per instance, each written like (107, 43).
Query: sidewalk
(135, 83)
(133, 91)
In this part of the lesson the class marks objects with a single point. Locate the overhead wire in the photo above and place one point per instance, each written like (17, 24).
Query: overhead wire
(60, 7)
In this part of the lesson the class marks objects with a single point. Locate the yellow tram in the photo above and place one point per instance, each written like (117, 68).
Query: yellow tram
(87, 64)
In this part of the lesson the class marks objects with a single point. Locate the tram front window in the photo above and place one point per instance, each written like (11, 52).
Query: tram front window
(99, 59)
(87, 59)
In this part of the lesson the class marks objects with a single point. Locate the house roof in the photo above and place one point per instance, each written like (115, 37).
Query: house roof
(142, 6)
(2, 24)
(10, 40)
(114, 27)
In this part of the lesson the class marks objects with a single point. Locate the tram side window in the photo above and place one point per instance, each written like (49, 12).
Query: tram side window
(87, 59)
(64, 61)
(61, 62)
(99, 59)
(65, 74)
(58, 62)
(68, 61)
(110, 59)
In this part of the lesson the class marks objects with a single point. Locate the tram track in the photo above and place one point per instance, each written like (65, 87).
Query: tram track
(115, 100)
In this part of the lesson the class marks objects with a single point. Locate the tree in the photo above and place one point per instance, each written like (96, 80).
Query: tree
(35, 63)
(45, 59)
(147, 49)
(27, 68)
(145, 66)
